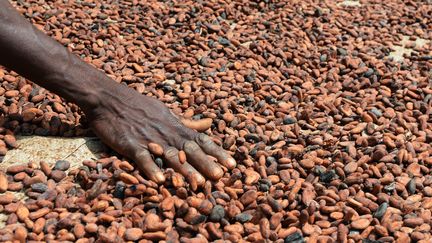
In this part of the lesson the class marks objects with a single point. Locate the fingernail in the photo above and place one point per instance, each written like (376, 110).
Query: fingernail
(193, 183)
(218, 173)
(200, 179)
(231, 163)
(159, 178)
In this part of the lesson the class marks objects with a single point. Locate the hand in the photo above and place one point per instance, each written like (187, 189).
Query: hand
(128, 121)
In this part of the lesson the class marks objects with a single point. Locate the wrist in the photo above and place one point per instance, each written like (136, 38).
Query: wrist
(82, 84)
(103, 95)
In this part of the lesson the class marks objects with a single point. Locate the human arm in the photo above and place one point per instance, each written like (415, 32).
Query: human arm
(124, 119)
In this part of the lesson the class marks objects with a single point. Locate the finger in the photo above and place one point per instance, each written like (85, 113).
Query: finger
(146, 164)
(209, 147)
(172, 161)
(201, 125)
(198, 159)
(198, 125)
(174, 114)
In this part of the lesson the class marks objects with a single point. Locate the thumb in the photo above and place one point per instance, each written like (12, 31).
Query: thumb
(198, 125)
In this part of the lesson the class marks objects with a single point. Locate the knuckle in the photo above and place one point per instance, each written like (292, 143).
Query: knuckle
(127, 146)
(171, 152)
(191, 146)
(142, 153)
(190, 134)
(204, 139)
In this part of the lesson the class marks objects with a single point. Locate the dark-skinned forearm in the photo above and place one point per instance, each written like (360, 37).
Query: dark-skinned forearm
(31, 53)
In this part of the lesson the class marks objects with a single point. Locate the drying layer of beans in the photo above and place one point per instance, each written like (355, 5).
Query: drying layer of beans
(332, 137)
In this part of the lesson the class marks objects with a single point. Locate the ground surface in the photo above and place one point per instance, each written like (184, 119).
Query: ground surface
(326, 106)
(50, 150)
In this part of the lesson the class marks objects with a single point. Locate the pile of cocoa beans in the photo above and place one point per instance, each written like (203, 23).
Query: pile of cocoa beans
(332, 137)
